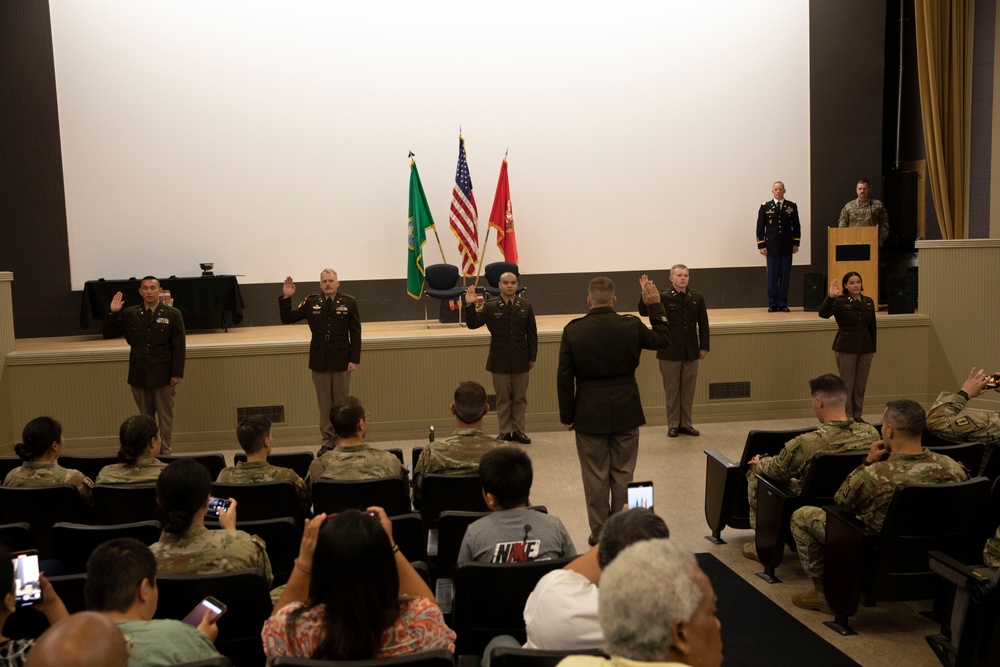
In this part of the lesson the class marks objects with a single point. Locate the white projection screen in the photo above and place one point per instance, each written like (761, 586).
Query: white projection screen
(271, 136)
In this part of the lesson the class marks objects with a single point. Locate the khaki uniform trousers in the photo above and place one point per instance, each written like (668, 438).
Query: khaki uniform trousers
(853, 369)
(679, 379)
(330, 388)
(607, 463)
(512, 400)
(157, 402)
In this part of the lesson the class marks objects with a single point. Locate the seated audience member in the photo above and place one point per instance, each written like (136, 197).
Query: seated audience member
(186, 545)
(352, 459)
(40, 447)
(513, 533)
(14, 651)
(84, 639)
(867, 491)
(121, 582)
(837, 432)
(656, 607)
(950, 418)
(354, 596)
(458, 454)
(139, 438)
(561, 613)
(254, 435)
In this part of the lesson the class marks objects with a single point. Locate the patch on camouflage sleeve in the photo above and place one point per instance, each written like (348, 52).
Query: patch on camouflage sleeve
(259, 541)
(962, 421)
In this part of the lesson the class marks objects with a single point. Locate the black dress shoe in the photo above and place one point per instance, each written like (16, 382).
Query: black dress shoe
(522, 438)
(506, 436)
(785, 309)
(689, 430)
(772, 309)
(671, 433)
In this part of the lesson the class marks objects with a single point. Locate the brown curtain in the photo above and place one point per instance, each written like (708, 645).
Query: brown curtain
(943, 47)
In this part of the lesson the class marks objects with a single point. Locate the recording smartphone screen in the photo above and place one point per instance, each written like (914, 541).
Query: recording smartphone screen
(27, 583)
(208, 606)
(640, 494)
(216, 505)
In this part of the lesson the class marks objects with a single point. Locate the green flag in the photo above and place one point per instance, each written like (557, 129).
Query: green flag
(418, 221)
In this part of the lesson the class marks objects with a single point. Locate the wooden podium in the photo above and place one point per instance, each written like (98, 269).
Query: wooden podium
(854, 249)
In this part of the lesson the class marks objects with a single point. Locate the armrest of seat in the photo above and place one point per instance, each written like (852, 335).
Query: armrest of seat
(719, 471)
(958, 573)
(775, 504)
(849, 544)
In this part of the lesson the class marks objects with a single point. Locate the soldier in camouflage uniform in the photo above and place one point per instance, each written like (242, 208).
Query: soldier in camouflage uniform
(139, 438)
(186, 546)
(40, 447)
(949, 418)
(254, 436)
(837, 433)
(867, 491)
(865, 212)
(352, 459)
(460, 453)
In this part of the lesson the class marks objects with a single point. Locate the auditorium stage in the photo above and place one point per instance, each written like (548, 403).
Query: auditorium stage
(758, 367)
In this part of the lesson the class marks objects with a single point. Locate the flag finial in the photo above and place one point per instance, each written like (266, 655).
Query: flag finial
(411, 154)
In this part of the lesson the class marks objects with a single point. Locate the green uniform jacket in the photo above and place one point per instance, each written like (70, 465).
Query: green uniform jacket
(857, 330)
(336, 329)
(687, 316)
(597, 360)
(513, 333)
(157, 342)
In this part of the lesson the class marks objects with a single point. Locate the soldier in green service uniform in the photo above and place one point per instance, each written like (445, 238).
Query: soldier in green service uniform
(352, 459)
(140, 445)
(335, 345)
(865, 212)
(40, 447)
(867, 491)
(458, 454)
(186, 546)
(837, 433)
(254, 436)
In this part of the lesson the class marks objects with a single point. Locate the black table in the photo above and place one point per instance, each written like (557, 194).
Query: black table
(203, 300)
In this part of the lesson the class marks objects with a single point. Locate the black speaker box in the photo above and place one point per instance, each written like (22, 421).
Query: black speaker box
(815, 291)
(902, 297)
(901, 203)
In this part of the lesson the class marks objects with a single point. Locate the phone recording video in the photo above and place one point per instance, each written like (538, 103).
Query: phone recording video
(209, 606)
(640, 494)
(217, 505)
(27, 578)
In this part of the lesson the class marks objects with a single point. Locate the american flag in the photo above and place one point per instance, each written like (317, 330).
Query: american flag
(463, 215)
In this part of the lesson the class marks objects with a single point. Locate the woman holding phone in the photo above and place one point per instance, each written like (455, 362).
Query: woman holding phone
(854, 345)
(186, 546)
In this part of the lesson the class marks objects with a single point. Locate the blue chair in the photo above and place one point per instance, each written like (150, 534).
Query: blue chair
(440, 283)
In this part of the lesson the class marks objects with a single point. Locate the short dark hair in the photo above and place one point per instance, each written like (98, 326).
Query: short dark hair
(181, 490)
(628, 527)
(863, 180)
(906, 416)
(829, 386)
(506, 473)
(601, 291)
(470, 402)
(145, 278)
(251, 433)
(36, 438)
(115, 571)
(134, 436)
(345, 415)
(848, 276)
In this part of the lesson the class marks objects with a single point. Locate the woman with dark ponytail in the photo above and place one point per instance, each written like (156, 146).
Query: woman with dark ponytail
(139, 440)
(40, 447)
(186, 546)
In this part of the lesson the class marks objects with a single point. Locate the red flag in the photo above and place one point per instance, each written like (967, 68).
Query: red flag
(464, 216)
(502, 218)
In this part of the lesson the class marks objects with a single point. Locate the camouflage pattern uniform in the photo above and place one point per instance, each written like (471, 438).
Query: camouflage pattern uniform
(145, 471)
(255, 472)
(38, 473)
(869, 214)
(949, 418)
(458, 454)
(991, 553)
(355, 463)
(202, 551)
(792, 464)
(866, 493)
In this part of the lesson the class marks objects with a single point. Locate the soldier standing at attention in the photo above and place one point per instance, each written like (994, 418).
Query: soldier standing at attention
(155, 332)
(513, 349)
(335, 348)
(687, 316)
(865, 212)
(867, 491)
(778, 233)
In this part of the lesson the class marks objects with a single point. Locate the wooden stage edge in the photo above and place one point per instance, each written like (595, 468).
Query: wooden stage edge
(289, 339)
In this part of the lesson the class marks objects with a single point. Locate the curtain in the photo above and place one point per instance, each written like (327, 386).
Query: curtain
(943, 48)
